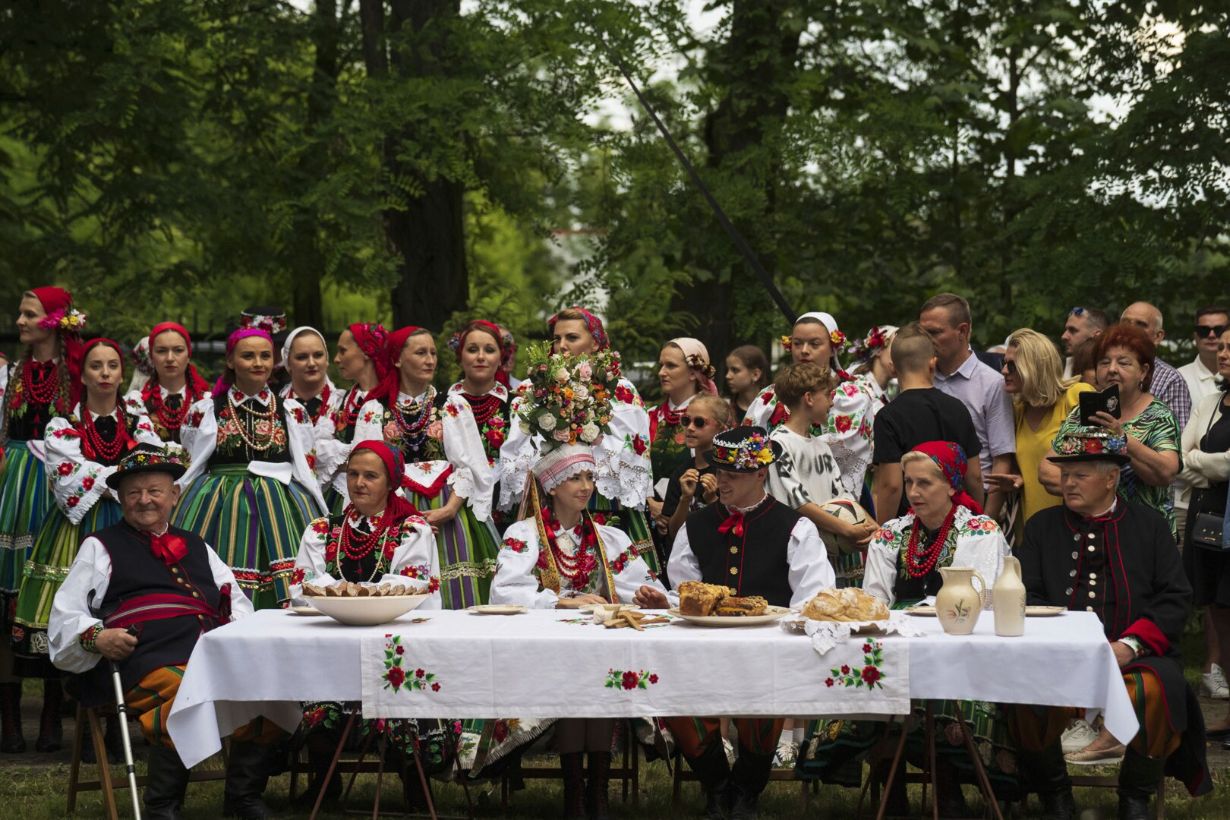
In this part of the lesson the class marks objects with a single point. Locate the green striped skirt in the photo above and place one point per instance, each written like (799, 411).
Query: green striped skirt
(25, 503)
(467, 549)
(254, 523)
(55, 547)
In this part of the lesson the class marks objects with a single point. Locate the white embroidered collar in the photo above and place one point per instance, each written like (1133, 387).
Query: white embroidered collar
(498, 390)
(262, 398)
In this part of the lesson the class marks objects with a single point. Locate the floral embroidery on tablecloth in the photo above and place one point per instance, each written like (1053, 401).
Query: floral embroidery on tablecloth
(869, 676)
(397, 677)
(620, 679)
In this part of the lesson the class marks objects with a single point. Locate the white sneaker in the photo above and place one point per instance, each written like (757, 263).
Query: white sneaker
(1213, 684)
(787, 753)
(1078, 736)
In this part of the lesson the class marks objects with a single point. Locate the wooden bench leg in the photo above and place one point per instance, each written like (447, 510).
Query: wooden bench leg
(104, 764)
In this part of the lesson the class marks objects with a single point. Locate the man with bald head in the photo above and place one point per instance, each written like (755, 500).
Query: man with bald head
(1166, 384)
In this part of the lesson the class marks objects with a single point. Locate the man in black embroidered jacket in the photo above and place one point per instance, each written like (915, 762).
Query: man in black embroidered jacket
(1098, 553)
(168, 587)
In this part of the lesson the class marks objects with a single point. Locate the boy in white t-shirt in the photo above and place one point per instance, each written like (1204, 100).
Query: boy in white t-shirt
(806, 476)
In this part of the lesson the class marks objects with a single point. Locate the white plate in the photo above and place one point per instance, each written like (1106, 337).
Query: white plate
(771, 614)
(498, 609)
(304, 610)
(366, 611)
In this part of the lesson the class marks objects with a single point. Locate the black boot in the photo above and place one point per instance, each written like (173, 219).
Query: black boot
(1046, 772)
(596, 787)
(247, 773)
(50, 727)
(318, 765)
(713, 771)
(748, 778)
(1138, 779)
(165, 784)
(573, 766)
(11, 741)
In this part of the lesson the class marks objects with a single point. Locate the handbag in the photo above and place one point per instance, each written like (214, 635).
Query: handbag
(1207, 532)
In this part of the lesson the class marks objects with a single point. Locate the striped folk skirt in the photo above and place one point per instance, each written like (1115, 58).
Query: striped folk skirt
(55, 548)
(25, 503)
(467, 549)
(254, 523)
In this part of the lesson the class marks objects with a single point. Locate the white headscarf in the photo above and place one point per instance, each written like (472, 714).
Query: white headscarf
(290, 341)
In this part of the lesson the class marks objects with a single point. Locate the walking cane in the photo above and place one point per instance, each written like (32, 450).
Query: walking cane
(122, 708)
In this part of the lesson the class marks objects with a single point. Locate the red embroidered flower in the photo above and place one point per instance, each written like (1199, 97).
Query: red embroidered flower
(300, 416)
(73, 500)
(623, 394)
(297, 576)
(330, 552)
(653, 678)
(67, 432)
(639, 445)
(866, 647)
(495, 438)
(845, 670)
(599, 518)
(630, 680)
(828, 682)
(65, 468)
(515, 544)
(320, 526)
(396, 676)
(401, 650)
(435, 687)
(196, 418)
(451, 409)
(843, 423)
(418, 673)
(311, 461)
(434, 584)
(870, 675)
(87, 483)
(780, 413)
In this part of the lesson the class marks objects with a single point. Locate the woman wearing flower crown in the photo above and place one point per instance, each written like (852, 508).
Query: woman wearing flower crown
(80, 451)
(379, 538)
(249, 490)
(175, 386)
(447, 475)
(362, 359)
(558, 557)
(817, 338)
(622, 476)
(40, 386)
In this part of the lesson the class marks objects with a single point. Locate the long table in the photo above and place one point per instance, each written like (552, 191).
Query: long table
(489, 667)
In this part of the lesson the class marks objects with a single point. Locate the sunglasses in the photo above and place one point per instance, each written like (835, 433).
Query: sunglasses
(1210, 330)
(698, 422)
(1010, 368)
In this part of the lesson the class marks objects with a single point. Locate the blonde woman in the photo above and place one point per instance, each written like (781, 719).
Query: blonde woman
(1041, 399)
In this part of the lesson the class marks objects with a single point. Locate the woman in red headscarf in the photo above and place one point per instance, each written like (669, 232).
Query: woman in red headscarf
(175, 386)
(81, 450)
(362, 359)
(447, 475)
(484, 382)
(250, 491)
(38, 387)
(378, 538)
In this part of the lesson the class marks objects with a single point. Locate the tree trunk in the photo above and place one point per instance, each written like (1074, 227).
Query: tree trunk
(757, 61)
(427, 233)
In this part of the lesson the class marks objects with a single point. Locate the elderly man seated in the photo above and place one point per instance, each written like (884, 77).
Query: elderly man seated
(140, 594)
(1098, 553)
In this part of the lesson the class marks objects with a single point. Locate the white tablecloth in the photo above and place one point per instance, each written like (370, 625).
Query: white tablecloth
(269, 663)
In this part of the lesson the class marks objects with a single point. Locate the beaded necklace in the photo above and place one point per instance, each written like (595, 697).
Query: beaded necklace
(170, 419)
(356, 548)
(577, 568)
(44, 390)
(98, 448)
(413, 417)
(921, 560)
(257, 416)
(485, 407)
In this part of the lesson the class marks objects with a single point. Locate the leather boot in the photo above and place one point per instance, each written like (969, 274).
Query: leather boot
(165, 784)
(713, 771)
(748, 778)
(50, 727)
(11, 741)
(1138, 779)
(573, 766)
(247, 773)
(596, 787)
(1046, 772)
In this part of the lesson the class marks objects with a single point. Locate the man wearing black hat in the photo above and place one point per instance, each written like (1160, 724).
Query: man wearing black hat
(141, 593)
(757, 546)
(1099, 553)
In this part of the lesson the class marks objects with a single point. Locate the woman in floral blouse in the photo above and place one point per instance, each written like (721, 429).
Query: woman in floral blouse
(447, 475)
(560, 558)
(378, 538)
(80, 451)
(175, 385)
(249, 491)
(1124, 357)
(484, 384)
(40, 386)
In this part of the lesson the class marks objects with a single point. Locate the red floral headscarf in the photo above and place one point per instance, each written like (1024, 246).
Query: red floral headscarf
(197, 386)
(374, 341)
(458, 341)
(58, 300)
(950, 458)
(397, 508)
(592, 323)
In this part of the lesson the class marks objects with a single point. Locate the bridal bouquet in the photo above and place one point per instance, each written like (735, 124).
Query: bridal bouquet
(567, 399)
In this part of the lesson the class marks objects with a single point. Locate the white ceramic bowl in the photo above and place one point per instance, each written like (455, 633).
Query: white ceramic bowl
(366, 611)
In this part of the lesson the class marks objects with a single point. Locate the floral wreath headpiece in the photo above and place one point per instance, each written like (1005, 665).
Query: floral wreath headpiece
(67, 319)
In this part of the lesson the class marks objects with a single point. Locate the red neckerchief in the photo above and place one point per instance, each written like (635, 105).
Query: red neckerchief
(735, 519)
(170, 548)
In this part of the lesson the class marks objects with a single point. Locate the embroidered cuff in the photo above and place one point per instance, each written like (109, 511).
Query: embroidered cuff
(88, 638)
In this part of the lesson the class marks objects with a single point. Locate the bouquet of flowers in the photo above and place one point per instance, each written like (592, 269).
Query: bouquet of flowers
(567, 399)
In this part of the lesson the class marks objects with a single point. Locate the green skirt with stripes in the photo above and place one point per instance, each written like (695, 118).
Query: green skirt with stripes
(25, 503)
(254, 523)
(467, 548)
(54, 550)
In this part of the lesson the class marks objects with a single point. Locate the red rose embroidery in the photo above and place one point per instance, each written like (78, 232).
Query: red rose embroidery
(87, 483)
(495, 438)
(843, 423)
(297, 576)
(515, 544)
(845, 670)
(630, 680)
(435, 687)
(72, 501)
(653, 678)
(866, 647)
(639, 445)
(396, 676)
(401, 650)
(828, 682)
(65, 468)
(418, 673)
(870, 675)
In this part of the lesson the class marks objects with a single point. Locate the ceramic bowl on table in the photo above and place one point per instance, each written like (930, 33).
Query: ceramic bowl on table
(370, 611)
